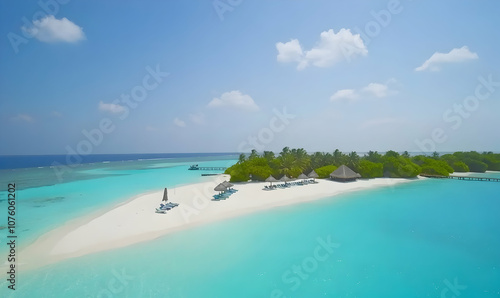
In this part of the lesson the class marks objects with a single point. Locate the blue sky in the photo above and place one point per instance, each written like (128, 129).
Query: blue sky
(353, 75)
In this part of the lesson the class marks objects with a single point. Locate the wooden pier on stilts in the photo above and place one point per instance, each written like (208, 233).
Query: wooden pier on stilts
(467, 178)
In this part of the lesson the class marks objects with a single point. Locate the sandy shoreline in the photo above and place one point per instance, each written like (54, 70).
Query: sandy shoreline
(135, 221)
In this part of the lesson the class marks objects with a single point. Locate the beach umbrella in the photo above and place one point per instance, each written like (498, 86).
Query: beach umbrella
(285, 179)
(271, 179)
(313, 175)
(227, 184)
(220, 187)
(302, 176)
(165, 195)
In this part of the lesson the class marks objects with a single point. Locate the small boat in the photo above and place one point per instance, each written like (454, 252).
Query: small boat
(194, 167)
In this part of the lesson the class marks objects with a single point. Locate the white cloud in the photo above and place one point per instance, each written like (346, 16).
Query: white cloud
(376, 89)
(372, 89)
(178, 122)
(50, 29)
(331, 49)
(349, 94)
(290, 51)
(23, 117)
(111, 107)
(197, 118)
(454, 56)
(235, 99)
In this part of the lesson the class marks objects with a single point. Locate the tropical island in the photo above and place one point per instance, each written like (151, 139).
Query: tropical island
(135, 221)
(293, 162)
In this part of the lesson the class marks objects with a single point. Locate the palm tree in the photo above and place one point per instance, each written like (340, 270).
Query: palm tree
(353, 160)
(317, 160)
(405, 154)
(268, 155)
(338, 157)
(391, 153)
(253, 154)
(285, 151)
(327, 159)
(302, 159)
(373, 156)
(287, 164)
(241, 159)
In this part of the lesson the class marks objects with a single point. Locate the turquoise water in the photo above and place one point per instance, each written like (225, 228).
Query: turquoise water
(44, 201)
(432, 238)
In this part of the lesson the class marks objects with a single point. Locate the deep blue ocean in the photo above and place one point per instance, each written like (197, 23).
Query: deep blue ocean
(428, 238)
(33, 161)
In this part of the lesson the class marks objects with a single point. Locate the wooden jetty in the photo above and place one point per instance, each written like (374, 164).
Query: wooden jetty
(197, 168)
(467, 178)
(212, 168)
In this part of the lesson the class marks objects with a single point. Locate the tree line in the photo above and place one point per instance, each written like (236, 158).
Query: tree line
(292, 162)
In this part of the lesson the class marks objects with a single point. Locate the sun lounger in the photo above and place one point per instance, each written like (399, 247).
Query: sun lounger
(220, 197)
(163, 210)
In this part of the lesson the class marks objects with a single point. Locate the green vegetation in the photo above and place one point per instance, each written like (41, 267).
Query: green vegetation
(433, 166)
(399, 167)
(476, 165)
(491, 160)
(324, 172)
(369, 169)
(460, 166)
(293, 162)
(473, 161)
(258, 168)
(238, 172)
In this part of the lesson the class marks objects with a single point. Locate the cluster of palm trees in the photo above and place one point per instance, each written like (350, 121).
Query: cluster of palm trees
(337, 158)
(293, 161)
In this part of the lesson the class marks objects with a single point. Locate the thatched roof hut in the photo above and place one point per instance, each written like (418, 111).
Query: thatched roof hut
(313, 174)
(344, 173)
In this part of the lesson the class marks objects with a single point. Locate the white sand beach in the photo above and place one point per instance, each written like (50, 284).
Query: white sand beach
(136, 221)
